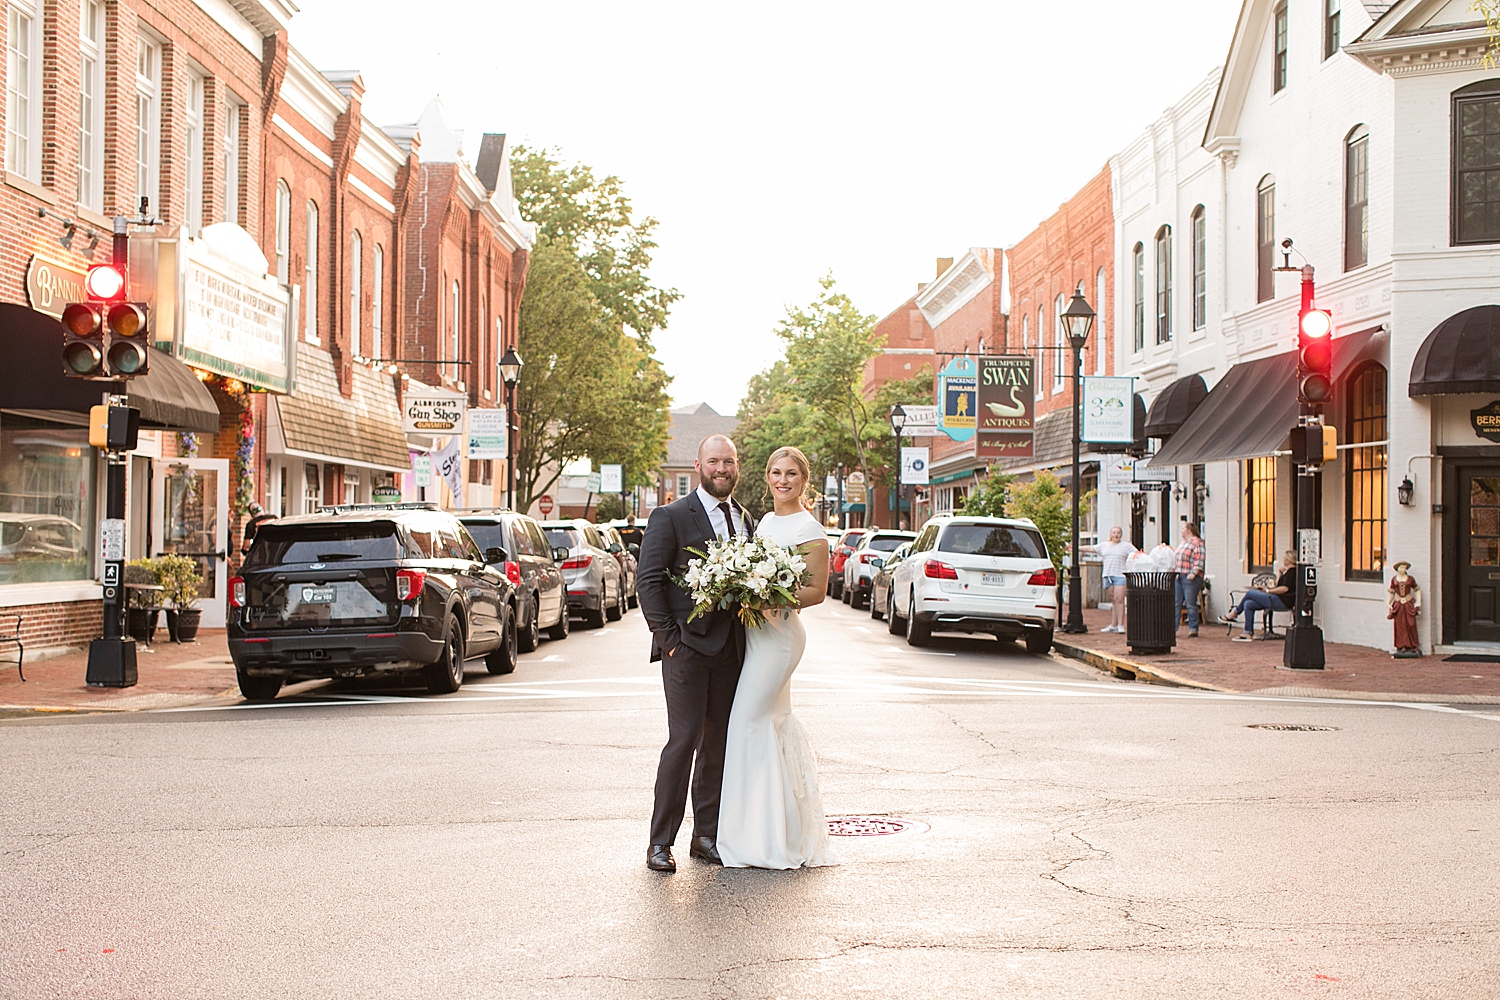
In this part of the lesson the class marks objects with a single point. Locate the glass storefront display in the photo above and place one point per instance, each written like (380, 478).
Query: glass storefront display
(47, 500)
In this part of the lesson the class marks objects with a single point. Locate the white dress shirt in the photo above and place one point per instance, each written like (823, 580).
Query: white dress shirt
(716, 516)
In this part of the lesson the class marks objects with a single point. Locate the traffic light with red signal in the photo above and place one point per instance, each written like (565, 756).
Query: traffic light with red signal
(105, 337)
(1314, 355)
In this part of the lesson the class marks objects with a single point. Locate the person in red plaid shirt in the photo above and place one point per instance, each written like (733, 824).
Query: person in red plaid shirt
(1190, 560)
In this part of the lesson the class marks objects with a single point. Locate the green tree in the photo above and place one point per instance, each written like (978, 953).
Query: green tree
(592, 386)
(915, 390)
(1046, 504)
(990, 497)
(772, 415)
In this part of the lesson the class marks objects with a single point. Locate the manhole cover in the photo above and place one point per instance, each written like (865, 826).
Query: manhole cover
(1292, 727)
(868, 826)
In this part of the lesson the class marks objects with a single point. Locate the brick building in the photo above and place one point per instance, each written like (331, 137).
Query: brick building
(907, 350)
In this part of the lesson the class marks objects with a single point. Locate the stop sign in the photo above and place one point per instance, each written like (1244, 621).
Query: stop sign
(544, 503)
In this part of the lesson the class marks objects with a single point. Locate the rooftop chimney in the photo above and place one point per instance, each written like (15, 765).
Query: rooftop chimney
(943, 263)
(491, 155)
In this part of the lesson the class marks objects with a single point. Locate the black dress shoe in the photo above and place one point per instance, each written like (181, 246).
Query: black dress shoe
(659, 858)
(704, 849)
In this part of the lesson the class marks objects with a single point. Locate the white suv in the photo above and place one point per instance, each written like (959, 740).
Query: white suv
(976, 574)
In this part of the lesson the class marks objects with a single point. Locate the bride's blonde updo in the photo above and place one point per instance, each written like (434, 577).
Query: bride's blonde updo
(802, 464)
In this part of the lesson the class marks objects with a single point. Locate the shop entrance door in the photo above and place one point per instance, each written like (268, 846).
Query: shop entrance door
(1479, 554)
(190, 513)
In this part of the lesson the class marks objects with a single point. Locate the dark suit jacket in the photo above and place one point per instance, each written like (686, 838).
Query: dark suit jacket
(670, 532)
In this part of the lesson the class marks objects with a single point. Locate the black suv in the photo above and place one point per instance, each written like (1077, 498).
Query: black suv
(529, 561)
(365, 589)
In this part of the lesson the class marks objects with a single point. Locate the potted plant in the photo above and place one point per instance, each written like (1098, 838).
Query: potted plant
(143, 606)
(180, 578)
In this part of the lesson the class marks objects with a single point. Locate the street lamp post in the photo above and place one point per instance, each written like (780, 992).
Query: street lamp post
(898, 421)
(510, 372)
(1078, 318)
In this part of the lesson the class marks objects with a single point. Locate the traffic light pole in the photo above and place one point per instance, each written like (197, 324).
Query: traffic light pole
(1303, 648)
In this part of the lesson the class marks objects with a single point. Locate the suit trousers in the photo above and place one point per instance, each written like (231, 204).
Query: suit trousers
(700, 693)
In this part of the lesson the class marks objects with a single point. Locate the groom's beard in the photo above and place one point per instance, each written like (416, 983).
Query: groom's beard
(720, 486)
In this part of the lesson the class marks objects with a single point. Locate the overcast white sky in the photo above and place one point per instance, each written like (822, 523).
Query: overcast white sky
(778, 141)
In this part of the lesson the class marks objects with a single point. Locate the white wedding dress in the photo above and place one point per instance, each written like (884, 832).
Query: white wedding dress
(770, 812)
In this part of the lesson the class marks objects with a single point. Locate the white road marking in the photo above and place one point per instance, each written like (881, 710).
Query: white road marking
(861, 628)
(552, 658)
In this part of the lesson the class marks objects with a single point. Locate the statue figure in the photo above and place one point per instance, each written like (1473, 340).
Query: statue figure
(1404, 602)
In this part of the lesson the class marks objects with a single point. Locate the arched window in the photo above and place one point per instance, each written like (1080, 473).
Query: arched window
(310, 280)
(283, 232)
(1061, 358)
(377, 302)
(1101, 325)
(1138, 326)
(1475, 196)
(453, 329)
(356, 289)
(1365, 472)
(1265, 239)
(1357, 198)
(1200, 268)
(1164, 285)
(1041, 353)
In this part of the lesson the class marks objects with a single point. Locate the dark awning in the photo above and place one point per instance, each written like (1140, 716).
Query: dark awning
(1459, 355)
(1250, 411)
(1171, 409)
(169, 398)
(1138, 446)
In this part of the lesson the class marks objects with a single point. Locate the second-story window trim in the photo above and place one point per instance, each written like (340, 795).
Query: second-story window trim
(230, 154)
(283, 231)
(1164, 285)
(91, 105)
(1357, 199)
(1265, 240)
(377, 301)
(1138, 259)
(23, 90)
(193, 147)
(148, 122)
(1332, 14)
(310, 288)
(356, 293)
(1200, 268)
(1279, 49)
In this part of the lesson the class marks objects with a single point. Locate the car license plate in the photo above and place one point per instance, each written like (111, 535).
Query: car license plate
(994, 579)
(317, 595)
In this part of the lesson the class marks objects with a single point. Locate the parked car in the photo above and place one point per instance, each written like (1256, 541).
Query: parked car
(366, 589)
(529, 561)
(859, 569)
(596, 588)
(976, 574)
(841, 552)
(880, 583)
(625, 556)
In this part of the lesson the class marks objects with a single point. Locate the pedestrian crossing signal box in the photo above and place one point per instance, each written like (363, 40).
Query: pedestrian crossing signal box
(1314, 444)
(114, 428)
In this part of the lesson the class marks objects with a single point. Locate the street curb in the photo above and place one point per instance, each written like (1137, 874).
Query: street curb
(1131, 670)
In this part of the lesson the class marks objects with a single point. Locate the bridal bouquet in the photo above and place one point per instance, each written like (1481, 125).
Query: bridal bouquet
(755, 573)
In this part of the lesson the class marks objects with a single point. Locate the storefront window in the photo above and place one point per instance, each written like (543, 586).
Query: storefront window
(46, 501)
(1260, 511)
(1365, 474)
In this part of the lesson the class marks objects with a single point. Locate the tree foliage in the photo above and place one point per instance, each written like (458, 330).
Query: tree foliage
(1046, 504)
(990, 497)
(881, 446)
(772, 415)
(591, 386)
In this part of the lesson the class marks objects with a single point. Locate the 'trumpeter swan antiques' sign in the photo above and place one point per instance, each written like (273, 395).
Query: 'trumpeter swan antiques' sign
(1486, 421)
(1006, 407)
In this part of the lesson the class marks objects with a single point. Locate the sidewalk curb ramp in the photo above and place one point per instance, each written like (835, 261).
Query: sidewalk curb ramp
(1133, 670)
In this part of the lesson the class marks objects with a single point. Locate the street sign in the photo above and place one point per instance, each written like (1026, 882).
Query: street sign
(544, 503)
(594, 482)
(611, 478)
(1309, 546)
(421, 466)
(854, 487)
(112, 538)
(914, 466)
(1154, 486)
(489, 432)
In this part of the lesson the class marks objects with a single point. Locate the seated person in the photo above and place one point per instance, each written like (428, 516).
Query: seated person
(1277, 598)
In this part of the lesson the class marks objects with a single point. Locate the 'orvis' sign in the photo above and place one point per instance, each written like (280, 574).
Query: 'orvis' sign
(1486, 421)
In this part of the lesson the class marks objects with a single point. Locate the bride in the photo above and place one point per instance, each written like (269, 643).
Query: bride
(770, 813)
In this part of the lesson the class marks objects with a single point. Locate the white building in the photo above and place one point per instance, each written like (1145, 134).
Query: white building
(1335, 124)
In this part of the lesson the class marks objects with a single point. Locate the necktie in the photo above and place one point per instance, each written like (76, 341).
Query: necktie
(728, 520)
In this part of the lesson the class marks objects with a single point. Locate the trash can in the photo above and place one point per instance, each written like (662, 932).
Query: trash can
(1151, 611)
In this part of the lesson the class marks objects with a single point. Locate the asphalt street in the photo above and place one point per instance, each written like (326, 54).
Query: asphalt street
(1074, 836)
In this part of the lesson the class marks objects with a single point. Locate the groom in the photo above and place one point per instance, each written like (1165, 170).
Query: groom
(700, 660)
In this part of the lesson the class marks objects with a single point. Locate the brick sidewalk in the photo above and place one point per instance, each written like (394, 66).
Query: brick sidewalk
(1214, 662)
(169, 676)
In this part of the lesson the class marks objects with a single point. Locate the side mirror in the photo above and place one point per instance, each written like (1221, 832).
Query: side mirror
(559, 553)
(877, 562)
(633, 549)
(614, 549)
(494, 554)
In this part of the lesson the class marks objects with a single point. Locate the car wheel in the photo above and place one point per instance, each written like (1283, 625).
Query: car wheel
(530, 637)
(844, 594)
(614, 612)
(875, 611)
(894, 624)
(502, 659)
(447, 674)
(918, 632)
(633, 601)
(594, 618)
(859, 601)
(1039, 642)
(258, 688)
(560, 630)
(836, 589)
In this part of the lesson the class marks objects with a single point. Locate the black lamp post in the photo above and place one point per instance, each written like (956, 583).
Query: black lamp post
(1078, 319)
(898, 421)
(510, 372)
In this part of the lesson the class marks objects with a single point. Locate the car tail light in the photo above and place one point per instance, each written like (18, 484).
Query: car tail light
(409, 583)
(513, 572)
(866, 557)
(236, 592)
(1043, 578)
(933, 569)
(582, 562)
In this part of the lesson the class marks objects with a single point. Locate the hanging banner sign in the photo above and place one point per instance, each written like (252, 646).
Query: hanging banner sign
(1108, 410)
(854, 488)
(1006, 414)
(611, 478)
(488, 433)
(434, 411)
(921, 421)
(1119, 476)
(448, 462)
(958, 398)
(914, 466)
